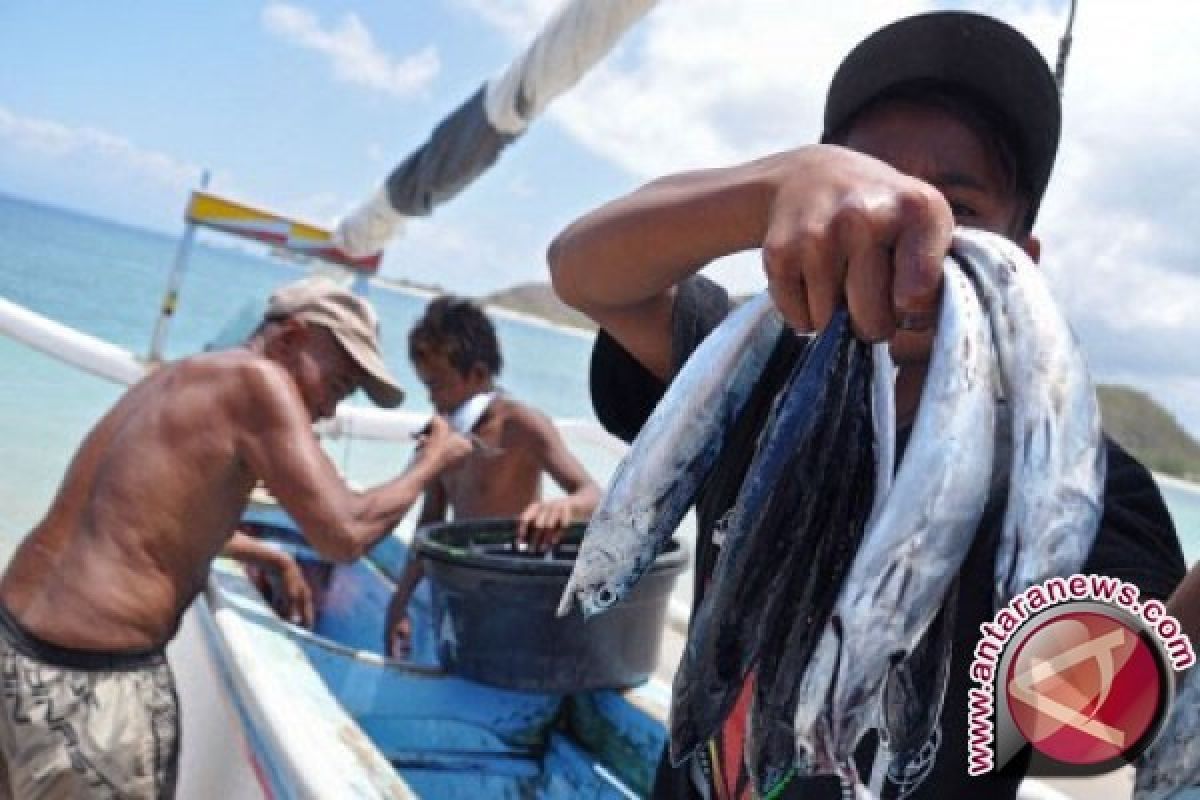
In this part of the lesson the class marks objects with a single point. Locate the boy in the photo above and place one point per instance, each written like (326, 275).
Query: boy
(455, 353)
(923, 130)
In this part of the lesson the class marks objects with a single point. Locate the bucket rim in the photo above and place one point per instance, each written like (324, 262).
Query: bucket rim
(429, 542)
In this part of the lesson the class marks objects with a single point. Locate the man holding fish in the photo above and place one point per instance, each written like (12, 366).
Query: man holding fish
(939, 120)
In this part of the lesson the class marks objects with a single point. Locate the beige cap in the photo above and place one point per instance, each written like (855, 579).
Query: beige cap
(352, 322)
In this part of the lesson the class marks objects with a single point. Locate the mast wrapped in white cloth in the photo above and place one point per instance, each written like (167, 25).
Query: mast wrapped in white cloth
(470, 139)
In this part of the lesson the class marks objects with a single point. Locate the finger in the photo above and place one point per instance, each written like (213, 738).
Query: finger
(545, 528)
(785, 282)
(926, 227)
(309, 613)
(523, 523)
(868, 279)
(550, 524)
(824, 267)
(555, 535)
(538, 535)
(421, 435)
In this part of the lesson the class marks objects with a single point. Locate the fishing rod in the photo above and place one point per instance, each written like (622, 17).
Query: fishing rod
(1064, 49)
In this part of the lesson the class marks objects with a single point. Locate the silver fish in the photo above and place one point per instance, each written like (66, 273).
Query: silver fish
(659, 476)
(840, 472)
(883, 420)
(913, 697)
(1056, 477)
(1172, 763)
(911, 554)
(767, 525)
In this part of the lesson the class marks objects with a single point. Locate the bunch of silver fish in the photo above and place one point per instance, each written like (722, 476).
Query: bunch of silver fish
(835, 578)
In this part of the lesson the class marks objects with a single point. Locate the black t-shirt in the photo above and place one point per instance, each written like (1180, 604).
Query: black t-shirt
(1136, 541)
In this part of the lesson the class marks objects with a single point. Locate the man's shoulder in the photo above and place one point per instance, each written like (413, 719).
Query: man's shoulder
(216, 361)
(236, 373)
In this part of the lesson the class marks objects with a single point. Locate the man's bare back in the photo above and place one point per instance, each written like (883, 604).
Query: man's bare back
(146, 504)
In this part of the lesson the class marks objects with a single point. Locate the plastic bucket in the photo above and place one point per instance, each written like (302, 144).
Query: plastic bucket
(494, 612)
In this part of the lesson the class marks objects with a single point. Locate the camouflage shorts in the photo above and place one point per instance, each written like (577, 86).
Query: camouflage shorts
(84, 725)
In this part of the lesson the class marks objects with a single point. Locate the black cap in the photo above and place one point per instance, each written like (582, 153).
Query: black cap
(976, 53)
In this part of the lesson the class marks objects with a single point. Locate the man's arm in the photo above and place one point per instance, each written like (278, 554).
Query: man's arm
(297, 600)
(542, 522)
(279, 446)
(831, 223)
(397, 630)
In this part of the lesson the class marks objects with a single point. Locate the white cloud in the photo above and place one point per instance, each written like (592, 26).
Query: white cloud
(431, 247)
(378, 154)
(523, 186)
(519, 20)
(1119, 219)
(93, 148)
(449, 250)
(708, 82)
(352, 51)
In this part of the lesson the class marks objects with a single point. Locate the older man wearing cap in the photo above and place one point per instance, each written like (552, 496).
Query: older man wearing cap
(937, 120)
(95, 591)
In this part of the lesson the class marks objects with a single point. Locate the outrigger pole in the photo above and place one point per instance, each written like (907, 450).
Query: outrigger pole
(170, 299)
(282, 233)
(470, 139)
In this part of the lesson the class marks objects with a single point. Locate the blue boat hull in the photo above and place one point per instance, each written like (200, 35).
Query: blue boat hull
(411, 729)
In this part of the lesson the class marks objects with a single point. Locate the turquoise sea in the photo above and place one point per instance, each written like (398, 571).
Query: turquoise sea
(108, 280)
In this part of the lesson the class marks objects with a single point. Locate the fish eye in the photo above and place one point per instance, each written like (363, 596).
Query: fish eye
(605, 597)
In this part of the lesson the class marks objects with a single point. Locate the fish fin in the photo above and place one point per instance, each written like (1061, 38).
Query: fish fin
(568, 597)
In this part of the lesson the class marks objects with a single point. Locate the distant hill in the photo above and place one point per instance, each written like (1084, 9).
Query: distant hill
(539, 300)
(1149, 431)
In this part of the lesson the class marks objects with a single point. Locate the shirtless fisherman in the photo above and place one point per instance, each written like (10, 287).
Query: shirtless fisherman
(96, 590)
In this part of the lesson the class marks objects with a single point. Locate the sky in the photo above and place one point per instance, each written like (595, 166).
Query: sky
(304, 106)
